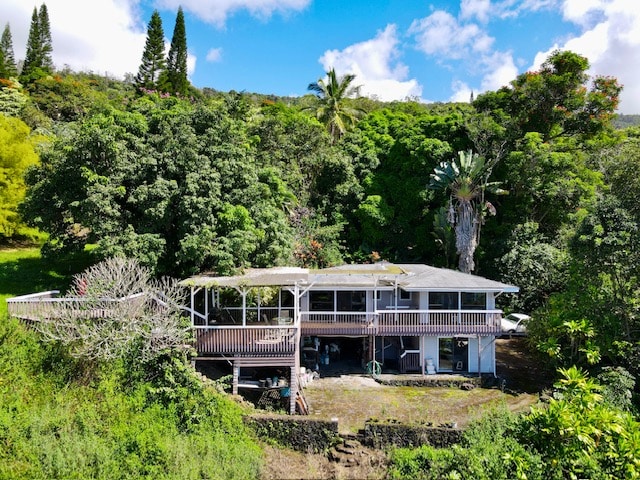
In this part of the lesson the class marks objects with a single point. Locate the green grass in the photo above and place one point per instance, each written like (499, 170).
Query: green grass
(23, 271)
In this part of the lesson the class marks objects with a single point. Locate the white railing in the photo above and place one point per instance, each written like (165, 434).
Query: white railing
(47, 305)
(454, 321)
(337, 317)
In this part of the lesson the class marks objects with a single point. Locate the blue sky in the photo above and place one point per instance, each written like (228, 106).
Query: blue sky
(432, 51)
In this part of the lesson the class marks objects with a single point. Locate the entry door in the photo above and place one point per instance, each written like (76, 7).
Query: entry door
(453, 353)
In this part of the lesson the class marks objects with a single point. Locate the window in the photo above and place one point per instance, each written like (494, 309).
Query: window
(474, 301)
(321, 301)
(443, 300)
(352, 301)
(404, 295)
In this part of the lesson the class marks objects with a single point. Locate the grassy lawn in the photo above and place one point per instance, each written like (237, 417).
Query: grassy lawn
(23, 270)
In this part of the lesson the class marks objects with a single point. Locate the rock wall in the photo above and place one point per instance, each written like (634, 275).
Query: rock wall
(318, 436)
(298, 433)
(384, 434)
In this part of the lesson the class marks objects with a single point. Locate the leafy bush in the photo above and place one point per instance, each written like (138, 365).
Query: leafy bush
(56, 422)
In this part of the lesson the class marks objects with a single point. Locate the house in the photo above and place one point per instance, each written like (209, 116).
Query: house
(408, 317)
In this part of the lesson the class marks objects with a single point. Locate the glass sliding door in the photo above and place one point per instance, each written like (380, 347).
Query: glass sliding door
(453, 354)
(445, 354)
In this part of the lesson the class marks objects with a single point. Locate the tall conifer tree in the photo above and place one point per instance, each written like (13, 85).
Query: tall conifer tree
(153, 62)
(39, 46)
(33, 47)
(175, 80)
(8, 68)
(46, 44)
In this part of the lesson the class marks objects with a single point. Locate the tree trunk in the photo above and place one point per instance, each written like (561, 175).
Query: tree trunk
(466, 236)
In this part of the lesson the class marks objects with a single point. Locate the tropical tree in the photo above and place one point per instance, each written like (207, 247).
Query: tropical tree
(39, 47)
(466, 180)
(332, 109)
(17, 153)
(174, 78)
(153, 61)
(8, 67)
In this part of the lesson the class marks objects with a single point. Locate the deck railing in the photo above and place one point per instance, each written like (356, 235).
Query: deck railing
(439, 321)
(245, 340)
(47, 305)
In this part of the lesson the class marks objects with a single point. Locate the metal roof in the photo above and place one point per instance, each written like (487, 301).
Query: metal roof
(410, 277)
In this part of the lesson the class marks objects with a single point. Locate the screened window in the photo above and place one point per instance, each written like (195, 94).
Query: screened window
(321, 301)
(474, 301)
(443, 300)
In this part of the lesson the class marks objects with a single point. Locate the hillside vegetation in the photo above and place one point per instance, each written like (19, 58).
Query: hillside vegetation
(186, 180)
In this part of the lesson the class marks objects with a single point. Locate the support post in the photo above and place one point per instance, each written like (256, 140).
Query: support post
(293, 388)
(236, 376)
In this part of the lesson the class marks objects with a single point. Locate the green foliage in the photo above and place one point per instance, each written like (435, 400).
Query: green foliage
(579, 436)
(174, 78)
(489, 451)
(113, 427)
(17, 154)
(554, 101)
(537, 267)
(38, 62)
(153, 60)
(8, 68)
(333, 108)
(466, 179)
(170, 183)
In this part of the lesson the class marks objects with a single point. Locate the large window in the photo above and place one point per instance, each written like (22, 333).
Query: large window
(352, 301)
(474, 301)
(443, 300)
(321, 301)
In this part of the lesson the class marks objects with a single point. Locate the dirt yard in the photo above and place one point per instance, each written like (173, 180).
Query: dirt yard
(355, 398)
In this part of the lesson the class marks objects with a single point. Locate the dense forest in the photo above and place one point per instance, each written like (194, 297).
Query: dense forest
(187, 180)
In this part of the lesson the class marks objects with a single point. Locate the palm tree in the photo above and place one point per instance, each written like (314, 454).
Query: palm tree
(332, 109)
(466, 179)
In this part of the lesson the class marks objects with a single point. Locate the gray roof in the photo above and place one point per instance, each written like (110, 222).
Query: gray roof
(410, 277)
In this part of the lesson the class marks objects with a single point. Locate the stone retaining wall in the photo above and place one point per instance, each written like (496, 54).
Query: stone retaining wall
(298, 433)
(385, 434)
(317, 436)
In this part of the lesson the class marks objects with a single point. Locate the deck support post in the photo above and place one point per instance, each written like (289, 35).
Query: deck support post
(236, 376)
(293, 390)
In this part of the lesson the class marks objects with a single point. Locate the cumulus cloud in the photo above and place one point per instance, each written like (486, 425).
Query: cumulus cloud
(460, 41)
(374, 62)
(217, 11)
(480, 9)
(610, 39)
(97, 36)
(441, 34)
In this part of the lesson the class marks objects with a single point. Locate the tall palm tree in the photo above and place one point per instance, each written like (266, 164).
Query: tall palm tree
(466, 179)
(332, 109)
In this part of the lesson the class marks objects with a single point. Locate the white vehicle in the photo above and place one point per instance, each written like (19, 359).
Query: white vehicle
(515, 323)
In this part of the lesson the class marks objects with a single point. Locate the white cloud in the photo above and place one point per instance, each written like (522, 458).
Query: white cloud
(374, 64)
(217, 11)
(441, 34)
(96, 35)
(214, 55)
(480, 9)
(452, 40)
(610, 40)
(500, 70)
(461, 91)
